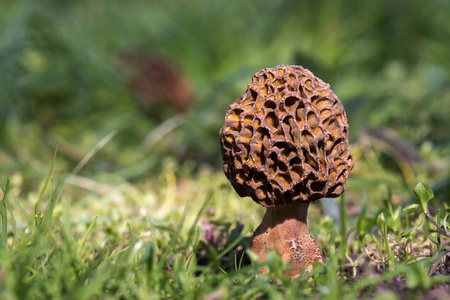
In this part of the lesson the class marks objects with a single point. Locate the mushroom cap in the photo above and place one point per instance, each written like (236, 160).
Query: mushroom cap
(286, 139)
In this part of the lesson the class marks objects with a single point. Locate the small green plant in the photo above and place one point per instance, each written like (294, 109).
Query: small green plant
(424, 195)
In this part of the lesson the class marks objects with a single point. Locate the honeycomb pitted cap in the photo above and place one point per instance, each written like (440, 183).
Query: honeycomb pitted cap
(286, 139)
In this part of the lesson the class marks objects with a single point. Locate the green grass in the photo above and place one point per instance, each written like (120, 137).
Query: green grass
(135, 204)
(125, 252)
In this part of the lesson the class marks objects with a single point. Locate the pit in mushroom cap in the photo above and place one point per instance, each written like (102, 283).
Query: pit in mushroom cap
(285, 144)
(286, 139)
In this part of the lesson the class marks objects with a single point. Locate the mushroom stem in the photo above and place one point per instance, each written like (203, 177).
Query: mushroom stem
(284, 230)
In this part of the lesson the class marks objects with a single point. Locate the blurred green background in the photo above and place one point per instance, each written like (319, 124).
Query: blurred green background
(160, 75)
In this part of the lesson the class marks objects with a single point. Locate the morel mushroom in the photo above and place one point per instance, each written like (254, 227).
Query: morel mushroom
(156, 81)
(285, 144)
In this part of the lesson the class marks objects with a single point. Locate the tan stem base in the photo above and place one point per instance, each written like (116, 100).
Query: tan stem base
(284, 230)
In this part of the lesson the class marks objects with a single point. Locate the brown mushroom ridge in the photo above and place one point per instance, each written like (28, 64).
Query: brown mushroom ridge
(285, 140)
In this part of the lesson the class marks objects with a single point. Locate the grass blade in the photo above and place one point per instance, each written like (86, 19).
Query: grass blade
(85, 236)
(47, 180)
(93, 151)
(4, 217)
(11, 215)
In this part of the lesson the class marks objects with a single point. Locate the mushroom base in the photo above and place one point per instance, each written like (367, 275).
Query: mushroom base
(284, 230)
